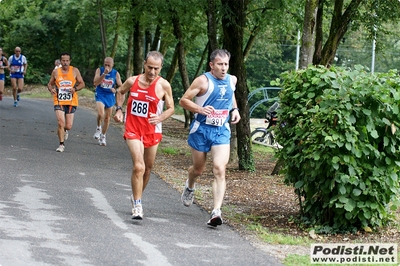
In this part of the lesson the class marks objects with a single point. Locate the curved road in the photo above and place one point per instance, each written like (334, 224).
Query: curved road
(73, 208)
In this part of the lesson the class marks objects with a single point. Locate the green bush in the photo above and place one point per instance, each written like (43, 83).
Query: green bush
(341, 145)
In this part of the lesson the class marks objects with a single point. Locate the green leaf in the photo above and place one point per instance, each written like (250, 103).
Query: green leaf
(335, 159)
(335, 84)
(350, 205)
(374, 134)
(357, 192)
(299, 184)
(373, 206)
(348, 146)
(352, 172)
(342, 190)
(386, 121)
(335, 166)
(352, 119)
(366, 112)
(343, 199)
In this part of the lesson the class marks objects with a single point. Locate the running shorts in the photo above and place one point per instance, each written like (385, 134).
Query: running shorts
(202, 137)
(17, 75)
(67, 109)
(108, 99)
(148, 140)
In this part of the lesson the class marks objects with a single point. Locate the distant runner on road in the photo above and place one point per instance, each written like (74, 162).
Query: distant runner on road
(106, 80)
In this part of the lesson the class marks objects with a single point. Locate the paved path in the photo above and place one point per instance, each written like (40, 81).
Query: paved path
(73, 208)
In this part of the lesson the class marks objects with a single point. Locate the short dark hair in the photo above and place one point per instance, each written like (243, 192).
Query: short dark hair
(219, 52)
(65, 53)
(155, 55)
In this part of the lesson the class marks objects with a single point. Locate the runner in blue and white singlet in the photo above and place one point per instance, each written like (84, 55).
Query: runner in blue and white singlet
(18, 66)
(210, 131)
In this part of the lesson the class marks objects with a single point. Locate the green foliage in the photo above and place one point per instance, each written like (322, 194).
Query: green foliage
(169, 150)
(341, 145)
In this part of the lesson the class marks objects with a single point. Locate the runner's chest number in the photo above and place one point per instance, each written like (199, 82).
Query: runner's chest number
(140, 108)
(64, 94)
(217, 118)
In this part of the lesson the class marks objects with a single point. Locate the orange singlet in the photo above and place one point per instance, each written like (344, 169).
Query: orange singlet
(64, 84)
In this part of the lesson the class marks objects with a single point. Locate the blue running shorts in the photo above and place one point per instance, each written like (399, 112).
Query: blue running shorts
(2, 76)
(17, 75)
(108, 99)
(202, 137)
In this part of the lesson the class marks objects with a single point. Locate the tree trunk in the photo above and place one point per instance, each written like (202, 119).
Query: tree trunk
(308, 38)
(233, 29)
(116, 35)
(253, 35)
(148, 41)
(339, 26)
(212, 26)
(202, 59)
(319, 33)
(156, 39)
(129, 65)
(174, 65)
(102, 29)
(180, 48)
(138, 49)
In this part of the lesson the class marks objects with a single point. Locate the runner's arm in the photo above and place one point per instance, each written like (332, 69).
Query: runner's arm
(79, 80)
(98, 78)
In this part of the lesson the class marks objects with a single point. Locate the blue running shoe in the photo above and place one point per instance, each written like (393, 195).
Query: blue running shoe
(18, 97)
(15, 104)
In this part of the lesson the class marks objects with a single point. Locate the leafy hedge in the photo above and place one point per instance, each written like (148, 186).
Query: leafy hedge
(341, 145)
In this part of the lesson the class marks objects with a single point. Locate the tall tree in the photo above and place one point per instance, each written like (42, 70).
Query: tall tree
(370, 13)
(308, 43)
(103, 32)
(233, 29)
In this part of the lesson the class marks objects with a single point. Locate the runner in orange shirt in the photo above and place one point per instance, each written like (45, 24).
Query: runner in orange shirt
(64, 84)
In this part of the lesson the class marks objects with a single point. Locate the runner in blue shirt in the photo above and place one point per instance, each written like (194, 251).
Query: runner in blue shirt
(214, 104)
(106, 80)
(18, 66)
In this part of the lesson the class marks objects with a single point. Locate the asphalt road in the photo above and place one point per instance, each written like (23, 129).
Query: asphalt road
(73, 208)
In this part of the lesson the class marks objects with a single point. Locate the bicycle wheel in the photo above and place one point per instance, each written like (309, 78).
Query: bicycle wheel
(258, 136)
(269, 139)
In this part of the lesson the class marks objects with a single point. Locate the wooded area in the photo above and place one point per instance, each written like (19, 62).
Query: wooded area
(261, 35)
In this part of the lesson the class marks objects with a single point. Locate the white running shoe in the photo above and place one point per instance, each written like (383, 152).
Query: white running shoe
(137, 212)
(187, 195)
(66, 135)
(97, 134)
(216, 218)
(102, 140)
(60, 148)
